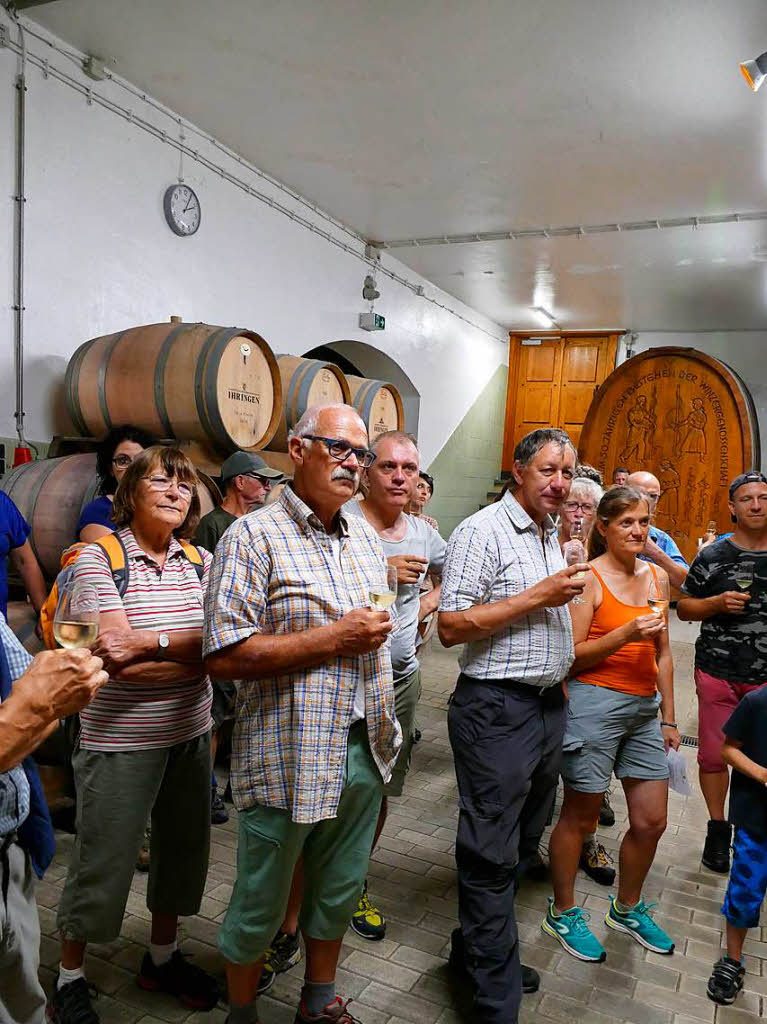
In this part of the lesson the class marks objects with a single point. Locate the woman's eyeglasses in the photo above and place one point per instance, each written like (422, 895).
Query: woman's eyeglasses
(122, 461)
(163, 483)
(586, 507)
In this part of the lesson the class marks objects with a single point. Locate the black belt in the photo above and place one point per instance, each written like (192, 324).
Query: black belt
(546, 693)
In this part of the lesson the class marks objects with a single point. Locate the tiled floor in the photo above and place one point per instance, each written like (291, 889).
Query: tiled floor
(405, 978)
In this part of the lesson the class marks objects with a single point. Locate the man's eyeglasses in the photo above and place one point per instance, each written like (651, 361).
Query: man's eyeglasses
(341, 450)
(265, 481)
(163, 483)
(586, 507)
(122, 461)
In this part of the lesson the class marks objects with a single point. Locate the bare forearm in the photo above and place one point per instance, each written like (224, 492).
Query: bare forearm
(484, 620)
(159, 672)
(22, 730)
(677, 573)
(696, 609)
(666, 688)
(185, 646)
(260, 656)
(737, 759)
(429, 603)
(589, 653)
(34, 584)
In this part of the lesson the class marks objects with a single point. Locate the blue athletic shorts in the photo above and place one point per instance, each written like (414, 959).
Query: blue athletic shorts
(748, 880)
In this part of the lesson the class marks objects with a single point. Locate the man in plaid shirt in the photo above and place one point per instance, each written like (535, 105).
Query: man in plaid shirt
(504, 592)
(315, 734)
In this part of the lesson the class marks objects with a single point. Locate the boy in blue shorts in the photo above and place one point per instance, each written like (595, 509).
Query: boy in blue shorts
(745, 749)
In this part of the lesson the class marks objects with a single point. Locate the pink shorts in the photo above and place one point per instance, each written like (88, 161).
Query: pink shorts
(717, 699)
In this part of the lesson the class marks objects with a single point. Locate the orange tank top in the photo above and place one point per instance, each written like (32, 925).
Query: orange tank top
(631, 669)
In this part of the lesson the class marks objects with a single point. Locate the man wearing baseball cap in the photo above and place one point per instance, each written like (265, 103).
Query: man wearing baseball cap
(726, 590)
(246, 480)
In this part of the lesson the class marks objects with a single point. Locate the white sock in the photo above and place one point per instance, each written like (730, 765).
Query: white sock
(66, 976)
(161, 954)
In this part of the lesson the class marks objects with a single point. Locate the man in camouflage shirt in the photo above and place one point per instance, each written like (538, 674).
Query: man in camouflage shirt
(727, 592)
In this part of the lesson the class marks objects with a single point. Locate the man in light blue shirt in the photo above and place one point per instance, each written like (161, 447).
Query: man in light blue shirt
(660, 548)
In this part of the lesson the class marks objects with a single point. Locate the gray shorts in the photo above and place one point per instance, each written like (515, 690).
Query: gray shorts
(608, 732)
(406, 697)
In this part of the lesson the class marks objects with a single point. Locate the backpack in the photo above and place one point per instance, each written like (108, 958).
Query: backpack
(114, 549)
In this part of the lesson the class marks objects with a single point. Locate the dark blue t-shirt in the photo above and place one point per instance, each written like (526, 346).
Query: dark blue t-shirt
(97, 513)
(14, 531)
(748, 798)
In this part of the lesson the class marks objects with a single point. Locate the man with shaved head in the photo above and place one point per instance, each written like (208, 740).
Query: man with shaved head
(315, 735)
(660, 547)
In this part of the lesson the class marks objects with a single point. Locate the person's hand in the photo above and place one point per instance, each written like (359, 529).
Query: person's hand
(671, 737)
(121, 647)
(409, 568)
(560, 588)
(732, 602)
(427, 604)
(646, 627)
(651, 549)
(361, 631)
(62, 682)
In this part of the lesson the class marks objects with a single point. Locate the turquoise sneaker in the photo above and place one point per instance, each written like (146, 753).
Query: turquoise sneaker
(572, 931)
(639, 923)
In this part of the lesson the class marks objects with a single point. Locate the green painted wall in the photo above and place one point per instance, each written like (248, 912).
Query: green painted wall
(466, 467)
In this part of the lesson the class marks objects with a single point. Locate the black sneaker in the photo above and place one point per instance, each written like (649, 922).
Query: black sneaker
(531, 980)
(191, 985)
(71, 1004)
(218, 812)
(284, 953)
(716, 851)
(597, 862)
(606, 813)
(726, 981)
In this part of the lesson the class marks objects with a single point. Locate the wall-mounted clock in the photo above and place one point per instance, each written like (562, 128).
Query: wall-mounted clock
(182, 209)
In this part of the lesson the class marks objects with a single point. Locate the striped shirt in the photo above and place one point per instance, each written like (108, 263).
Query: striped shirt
(495, 554)
(274, 573)
(14, 788)
(129, 716)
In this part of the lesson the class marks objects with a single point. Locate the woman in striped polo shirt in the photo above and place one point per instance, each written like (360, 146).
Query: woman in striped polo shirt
(144, 745)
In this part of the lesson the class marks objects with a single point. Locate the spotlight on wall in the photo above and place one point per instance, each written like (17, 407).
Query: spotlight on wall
(369, 290)
(545, 317)
(754, 71)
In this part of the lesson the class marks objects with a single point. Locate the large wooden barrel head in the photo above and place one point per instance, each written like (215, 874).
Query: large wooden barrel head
(379, 404)
(688, 419)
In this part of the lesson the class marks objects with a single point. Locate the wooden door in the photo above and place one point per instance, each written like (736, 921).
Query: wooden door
(551, 383)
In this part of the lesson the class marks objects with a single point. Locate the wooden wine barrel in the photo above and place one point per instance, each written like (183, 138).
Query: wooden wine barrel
(378, 403)
(305, 382)
(188, 381)
(51, 495)
(688, 419)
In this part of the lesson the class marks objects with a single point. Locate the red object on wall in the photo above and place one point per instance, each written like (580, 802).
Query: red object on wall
(21, 455)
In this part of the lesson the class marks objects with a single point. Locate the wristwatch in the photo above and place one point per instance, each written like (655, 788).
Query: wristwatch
(163, 642)
(669, 725)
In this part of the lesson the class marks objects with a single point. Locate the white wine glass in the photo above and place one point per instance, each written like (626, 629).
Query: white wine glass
(744, 573)
(658, 595)
(383, 595)
(76, 621)
(574, 551)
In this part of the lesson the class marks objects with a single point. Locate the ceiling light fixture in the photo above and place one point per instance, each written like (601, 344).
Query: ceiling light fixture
(754, 71)
(545, 317)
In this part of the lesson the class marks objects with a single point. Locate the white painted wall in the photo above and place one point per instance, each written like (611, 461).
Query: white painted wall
(100, 258)
(744, 351)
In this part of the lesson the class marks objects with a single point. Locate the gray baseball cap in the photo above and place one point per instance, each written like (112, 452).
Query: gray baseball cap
(242, 463)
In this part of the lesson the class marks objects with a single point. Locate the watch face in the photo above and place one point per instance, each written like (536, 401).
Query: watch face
(182, 209)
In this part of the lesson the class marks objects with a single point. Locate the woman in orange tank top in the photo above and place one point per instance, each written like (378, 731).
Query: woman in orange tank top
(622, 675)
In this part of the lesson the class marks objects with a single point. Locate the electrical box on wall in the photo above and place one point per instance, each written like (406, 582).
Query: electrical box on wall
(372, 322)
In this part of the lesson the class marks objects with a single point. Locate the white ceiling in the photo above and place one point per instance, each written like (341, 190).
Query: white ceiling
(428, 117)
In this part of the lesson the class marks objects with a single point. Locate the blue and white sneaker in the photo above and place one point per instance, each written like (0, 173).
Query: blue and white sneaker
(638, 922)
(572, 931)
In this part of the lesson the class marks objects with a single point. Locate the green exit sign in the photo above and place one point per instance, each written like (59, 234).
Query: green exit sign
(372, 322)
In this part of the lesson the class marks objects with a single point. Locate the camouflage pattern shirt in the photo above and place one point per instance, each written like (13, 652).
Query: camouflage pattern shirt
(732, 647)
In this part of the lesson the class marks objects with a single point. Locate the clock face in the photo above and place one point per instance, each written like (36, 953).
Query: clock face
(182, 209)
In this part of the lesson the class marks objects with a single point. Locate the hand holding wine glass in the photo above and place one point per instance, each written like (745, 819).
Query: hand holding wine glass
(76, 621)
(574, 551)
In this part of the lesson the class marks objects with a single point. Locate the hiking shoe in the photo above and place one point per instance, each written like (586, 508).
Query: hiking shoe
(716, 850)
(606, 813)
(191, 985)
(284, 953)
(268, 974)
(71, 1004)
(334, 1013)
(367, 920)
(531, 979)
(726, 981)
(639, 923)
(218, 812)
(572, 931)
(597, 862)
(534, 868)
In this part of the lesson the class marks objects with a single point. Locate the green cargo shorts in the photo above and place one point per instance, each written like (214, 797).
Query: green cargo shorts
(406, 697)
(335, 851)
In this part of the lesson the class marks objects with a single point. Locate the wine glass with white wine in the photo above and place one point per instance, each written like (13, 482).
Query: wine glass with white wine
(744, 573)
(76, 622)
(383, 595)
(575, 553)
(658, 595)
